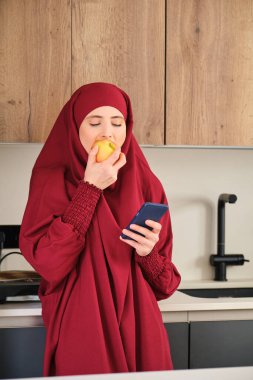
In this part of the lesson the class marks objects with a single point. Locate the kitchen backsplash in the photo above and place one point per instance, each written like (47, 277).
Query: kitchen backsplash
(193, 178)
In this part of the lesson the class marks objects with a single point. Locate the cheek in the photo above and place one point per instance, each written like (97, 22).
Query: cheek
(85, 137)
(122, 136)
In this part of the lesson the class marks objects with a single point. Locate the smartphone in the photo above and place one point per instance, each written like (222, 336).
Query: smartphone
(151, 211)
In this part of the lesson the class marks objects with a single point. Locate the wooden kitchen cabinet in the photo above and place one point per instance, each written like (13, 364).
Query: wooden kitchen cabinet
(21, 352)
(187, 66)
(58, 49)
(178, 334)
(209, 65)
(123, 42)
(221, 344)
(35, 67)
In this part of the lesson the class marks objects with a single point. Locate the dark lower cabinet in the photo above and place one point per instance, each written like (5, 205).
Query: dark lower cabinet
(193, 345)
(178, 338)
(221, 344)
(21, 352)
(211, 344)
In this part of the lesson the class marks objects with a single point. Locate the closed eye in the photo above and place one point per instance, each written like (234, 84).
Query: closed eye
(115, 125)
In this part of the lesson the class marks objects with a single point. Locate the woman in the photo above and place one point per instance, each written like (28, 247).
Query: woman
(99, 293)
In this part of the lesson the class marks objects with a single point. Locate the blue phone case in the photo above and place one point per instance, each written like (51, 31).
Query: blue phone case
(151, 211)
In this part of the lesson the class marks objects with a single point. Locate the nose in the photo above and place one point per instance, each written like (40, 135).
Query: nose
(106, 131)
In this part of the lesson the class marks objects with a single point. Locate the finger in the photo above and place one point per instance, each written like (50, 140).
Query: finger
(138, 238)
(151, 235)
(138, 247)
(92, 154)
(155, 225)
(121, 161)
(114, 156)
(132, 243)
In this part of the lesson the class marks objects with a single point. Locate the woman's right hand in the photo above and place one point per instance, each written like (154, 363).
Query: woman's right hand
(103, 174)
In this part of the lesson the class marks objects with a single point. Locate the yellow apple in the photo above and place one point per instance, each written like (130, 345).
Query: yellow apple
(105, 149)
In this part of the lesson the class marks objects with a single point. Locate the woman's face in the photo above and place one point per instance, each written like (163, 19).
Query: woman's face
(102, 123)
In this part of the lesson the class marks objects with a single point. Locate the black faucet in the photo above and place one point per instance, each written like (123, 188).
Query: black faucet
(220, 261)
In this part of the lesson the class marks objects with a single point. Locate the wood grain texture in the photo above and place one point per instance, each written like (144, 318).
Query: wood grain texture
(209, 69)
(35, 67)
(123, 42)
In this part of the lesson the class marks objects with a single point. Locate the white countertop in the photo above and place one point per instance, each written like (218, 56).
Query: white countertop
(182, 302)
(210, 284)
(177, 303)
(234, 373)
(20, 309)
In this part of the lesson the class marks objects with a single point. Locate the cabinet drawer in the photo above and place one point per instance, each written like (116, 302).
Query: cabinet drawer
(21, 352)
(178, 338)
(221, 344)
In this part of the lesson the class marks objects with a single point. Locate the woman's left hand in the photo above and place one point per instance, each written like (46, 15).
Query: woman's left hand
(143, 244)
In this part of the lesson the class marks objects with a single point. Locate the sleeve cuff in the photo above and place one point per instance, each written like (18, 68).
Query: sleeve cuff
(152, 264)
(82, 206)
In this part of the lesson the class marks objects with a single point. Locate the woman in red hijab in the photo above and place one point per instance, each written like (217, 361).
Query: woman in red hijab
(99, 293)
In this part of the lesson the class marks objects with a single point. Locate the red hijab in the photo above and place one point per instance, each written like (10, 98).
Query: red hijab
(55, 176)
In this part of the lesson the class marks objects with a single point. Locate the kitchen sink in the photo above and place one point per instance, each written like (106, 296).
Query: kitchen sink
(218, 292)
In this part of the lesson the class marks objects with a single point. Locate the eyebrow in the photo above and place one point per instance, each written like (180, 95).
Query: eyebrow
(101, 117)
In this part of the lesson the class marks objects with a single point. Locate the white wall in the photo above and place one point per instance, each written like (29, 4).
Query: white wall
(193, 180)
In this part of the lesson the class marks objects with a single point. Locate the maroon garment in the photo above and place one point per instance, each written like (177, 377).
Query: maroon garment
(99, 298)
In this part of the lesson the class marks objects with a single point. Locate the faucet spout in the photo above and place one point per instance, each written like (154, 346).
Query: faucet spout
(223, 199)
(220, 261)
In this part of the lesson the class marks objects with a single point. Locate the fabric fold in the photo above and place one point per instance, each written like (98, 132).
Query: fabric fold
(118, 255)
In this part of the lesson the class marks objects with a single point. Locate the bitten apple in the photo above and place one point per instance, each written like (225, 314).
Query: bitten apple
(105, 149)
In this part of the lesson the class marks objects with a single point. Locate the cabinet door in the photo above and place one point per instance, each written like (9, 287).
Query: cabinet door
(35, 67)
(60, 48)
(209, 73)
(123, 42)
(21, 352)
(178, 338)
(221, 344)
